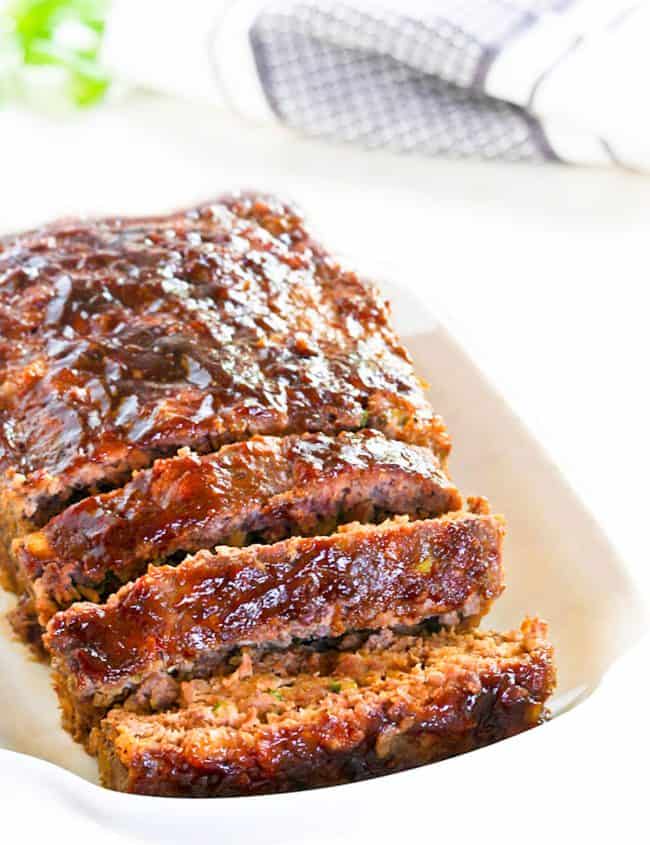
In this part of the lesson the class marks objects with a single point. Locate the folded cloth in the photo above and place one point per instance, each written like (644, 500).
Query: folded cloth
(516, 80)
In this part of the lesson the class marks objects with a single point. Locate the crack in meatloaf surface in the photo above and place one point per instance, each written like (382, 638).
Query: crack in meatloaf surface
(123, 340)
(303, 719)
(188, 618)
(264, 489)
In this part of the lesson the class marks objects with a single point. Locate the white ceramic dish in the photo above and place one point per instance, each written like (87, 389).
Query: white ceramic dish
(559, 565)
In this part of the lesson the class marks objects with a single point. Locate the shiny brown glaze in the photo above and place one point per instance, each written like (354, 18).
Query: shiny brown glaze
(187, 618)
(349, 717)
(269, 487)
(123, 340)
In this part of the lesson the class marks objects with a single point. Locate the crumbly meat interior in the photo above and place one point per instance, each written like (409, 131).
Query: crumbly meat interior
(188, 618)
(304, 718)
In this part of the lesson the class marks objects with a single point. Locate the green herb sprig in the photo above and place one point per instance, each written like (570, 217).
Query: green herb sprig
(64, 35)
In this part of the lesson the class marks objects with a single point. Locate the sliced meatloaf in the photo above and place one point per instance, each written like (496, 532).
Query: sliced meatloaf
(125, 340)
(188, 618)
(303, 719)
(263, 489)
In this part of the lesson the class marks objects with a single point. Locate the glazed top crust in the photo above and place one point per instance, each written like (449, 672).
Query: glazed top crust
(273, 487)
(364, 577)
(123, 340)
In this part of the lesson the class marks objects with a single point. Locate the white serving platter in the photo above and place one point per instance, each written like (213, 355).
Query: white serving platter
(559, 565)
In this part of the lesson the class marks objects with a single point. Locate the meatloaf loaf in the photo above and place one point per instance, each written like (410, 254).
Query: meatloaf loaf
(210, 433)
(124, 340)
(304, 718)
(186, 619)
(264, 489)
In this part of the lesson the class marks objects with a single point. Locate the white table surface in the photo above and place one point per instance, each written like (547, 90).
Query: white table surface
(542, 272)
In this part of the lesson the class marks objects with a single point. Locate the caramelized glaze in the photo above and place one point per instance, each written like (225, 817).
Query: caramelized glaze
(270, 487)
(188, 617)
(123, 340)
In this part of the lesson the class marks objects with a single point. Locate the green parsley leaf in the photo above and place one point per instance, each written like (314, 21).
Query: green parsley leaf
(64, 35)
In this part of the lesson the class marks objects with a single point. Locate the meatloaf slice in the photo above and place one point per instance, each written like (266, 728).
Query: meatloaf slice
(264, 489)
(304, 719)
(125, 340)
(187, 619)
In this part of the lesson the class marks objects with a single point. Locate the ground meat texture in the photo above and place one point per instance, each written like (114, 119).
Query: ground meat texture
(188, 618)
(302, 719)
(265, 489)
(213, 383)
(125, 340)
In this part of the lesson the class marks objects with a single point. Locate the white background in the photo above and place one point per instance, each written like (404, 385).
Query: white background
(542, 272)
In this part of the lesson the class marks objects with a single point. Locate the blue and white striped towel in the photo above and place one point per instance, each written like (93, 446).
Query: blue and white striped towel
(515, 80)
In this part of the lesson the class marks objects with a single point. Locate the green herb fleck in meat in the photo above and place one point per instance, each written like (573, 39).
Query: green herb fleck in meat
(424, 567)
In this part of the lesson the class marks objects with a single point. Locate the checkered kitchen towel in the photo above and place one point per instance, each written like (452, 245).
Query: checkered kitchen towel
(516, 80)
